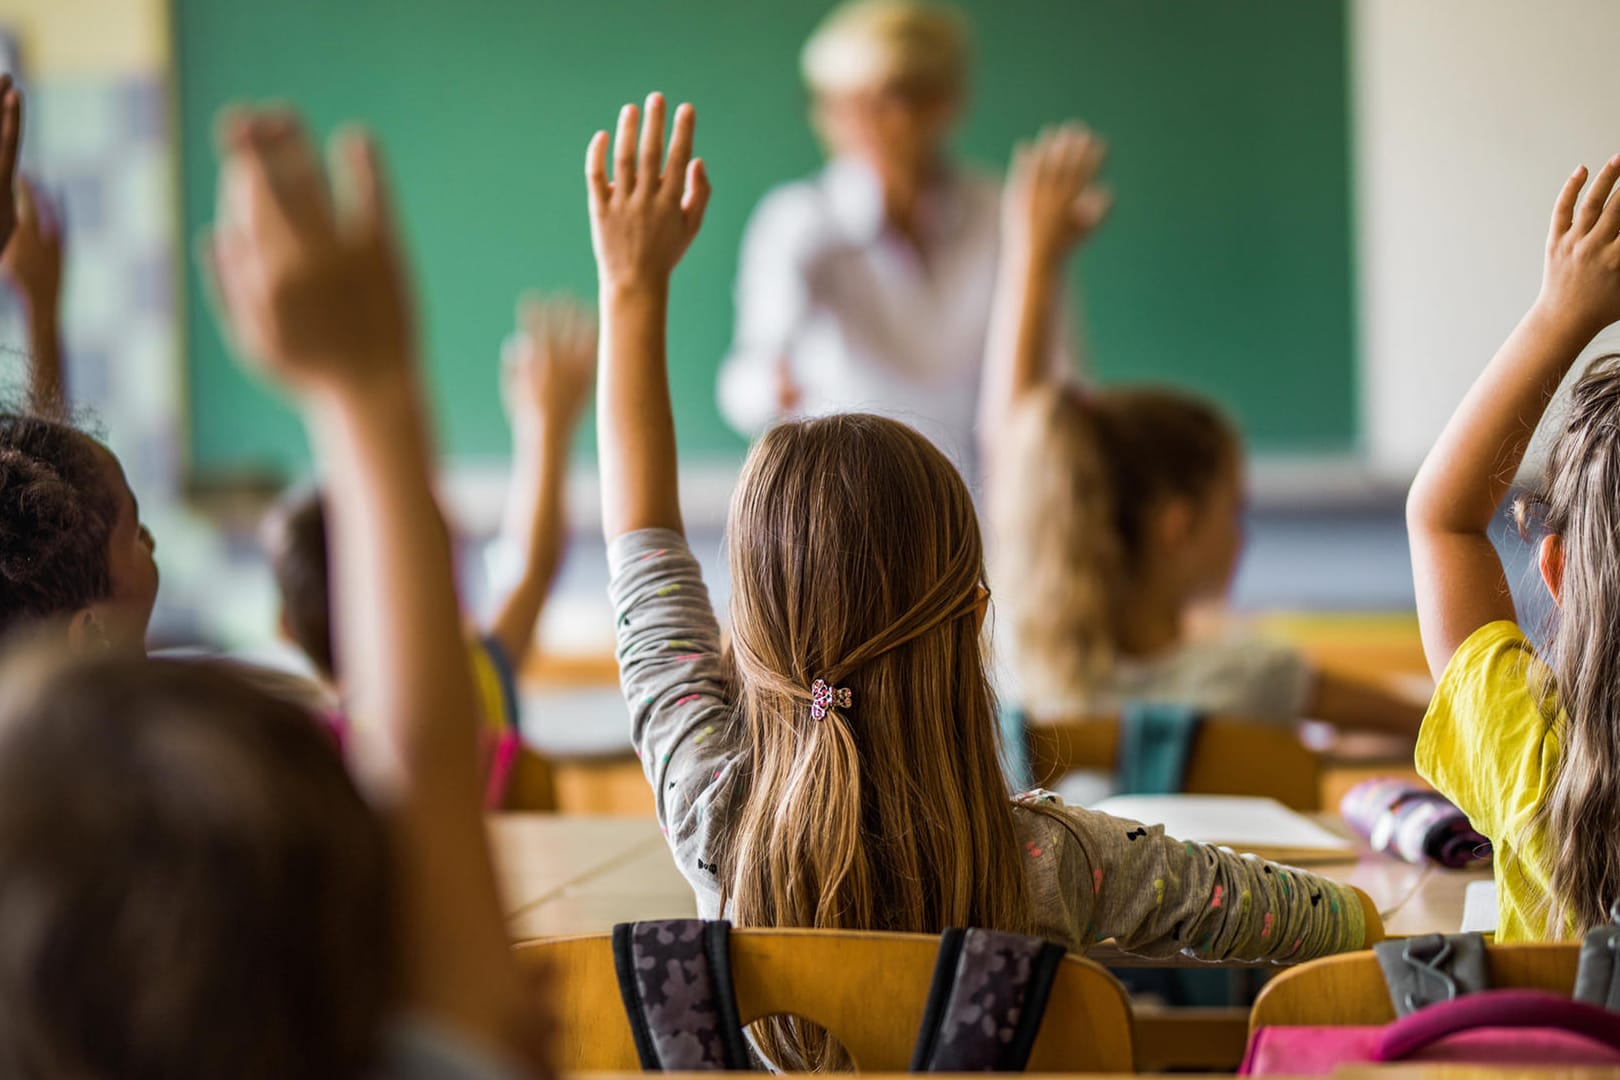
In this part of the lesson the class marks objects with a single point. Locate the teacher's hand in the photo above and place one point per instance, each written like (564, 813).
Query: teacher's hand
(1053, 200)
(788, 394)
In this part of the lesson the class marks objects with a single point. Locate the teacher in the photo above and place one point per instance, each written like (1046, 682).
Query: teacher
(868, 286)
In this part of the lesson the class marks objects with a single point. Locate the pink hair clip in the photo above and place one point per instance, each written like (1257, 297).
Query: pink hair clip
(824, 697)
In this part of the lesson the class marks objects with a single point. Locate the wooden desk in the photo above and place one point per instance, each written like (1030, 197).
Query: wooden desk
(580, 875)
(569, 874)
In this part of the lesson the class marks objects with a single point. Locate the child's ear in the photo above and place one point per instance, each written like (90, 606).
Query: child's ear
(981, 608)
(1552, 566)
(284, 626)
(85, 632)
(1174, 521)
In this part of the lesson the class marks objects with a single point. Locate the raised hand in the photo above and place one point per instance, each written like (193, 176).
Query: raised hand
(1053, 200)
(311, 287)
(1580, 278)
(549, 365)
(1457, 575)
(644, 219)
(32, 261)
(11, 126)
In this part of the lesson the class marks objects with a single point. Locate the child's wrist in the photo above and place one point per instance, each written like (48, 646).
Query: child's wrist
(390, 394)
(540, 435)
(1034, 265)
(635, 290)
(39, 304)
(1548, 315)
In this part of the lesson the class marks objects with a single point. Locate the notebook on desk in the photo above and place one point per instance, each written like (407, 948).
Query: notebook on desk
(1479, 908)
(1262, 827)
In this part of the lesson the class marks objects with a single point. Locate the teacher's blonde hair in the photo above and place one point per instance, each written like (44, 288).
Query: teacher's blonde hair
(916, 46)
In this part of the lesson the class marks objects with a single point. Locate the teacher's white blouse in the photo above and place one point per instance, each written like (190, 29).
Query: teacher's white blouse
(862, 319)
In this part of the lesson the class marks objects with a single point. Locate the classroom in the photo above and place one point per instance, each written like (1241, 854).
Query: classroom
(548, 538)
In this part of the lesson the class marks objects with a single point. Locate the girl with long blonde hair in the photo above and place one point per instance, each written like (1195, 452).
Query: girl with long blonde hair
(1116, 511)
(840, 770)
(1526, 740)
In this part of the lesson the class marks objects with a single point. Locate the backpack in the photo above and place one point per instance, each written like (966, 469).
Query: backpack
(1446, 1011)
(984, 1007)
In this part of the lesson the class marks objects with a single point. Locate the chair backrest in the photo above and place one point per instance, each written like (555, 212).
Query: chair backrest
(1228, 757)
(868, 989)
(1350, 990)
(531, 783)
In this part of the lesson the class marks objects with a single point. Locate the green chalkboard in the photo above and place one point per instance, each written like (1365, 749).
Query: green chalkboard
(1226, 266)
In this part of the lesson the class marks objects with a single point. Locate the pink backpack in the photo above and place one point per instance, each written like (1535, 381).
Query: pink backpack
(1439, 987)
(1494, 1027)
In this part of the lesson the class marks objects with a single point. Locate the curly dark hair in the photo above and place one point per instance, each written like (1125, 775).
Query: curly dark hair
(56, 517)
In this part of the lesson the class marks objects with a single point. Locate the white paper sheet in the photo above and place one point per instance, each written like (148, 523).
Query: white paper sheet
(1479, 908)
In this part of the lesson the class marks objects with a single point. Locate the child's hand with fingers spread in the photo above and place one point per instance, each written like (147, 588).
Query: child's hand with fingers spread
(549, 365)
(1581, 275)
(644, 219)
(311, 289)
(32, 261)
(1053, 200)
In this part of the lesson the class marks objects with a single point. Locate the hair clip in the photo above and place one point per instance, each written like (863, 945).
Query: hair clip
(824, 697)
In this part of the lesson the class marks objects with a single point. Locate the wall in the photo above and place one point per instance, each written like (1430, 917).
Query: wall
(1225, 267)
(1468, 116)
(99, 140)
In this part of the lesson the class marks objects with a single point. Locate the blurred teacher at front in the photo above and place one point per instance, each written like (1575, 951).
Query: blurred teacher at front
(868, 286)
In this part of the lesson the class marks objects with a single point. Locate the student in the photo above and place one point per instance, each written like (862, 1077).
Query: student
(1522, 739)
(1115, 511)
(193, 886)
(32, 265)
(841, 769)
(549, 365)
(72, 546)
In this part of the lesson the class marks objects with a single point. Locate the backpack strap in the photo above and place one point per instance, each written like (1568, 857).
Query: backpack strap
(1597, 979)
(1155, 743)
(986, 1002)
(675, 977)
(1426, 970)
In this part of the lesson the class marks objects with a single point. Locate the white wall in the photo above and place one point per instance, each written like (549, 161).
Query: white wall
(1468, 115)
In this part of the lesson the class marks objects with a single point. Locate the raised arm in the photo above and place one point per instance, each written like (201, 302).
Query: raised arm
(548, 368)
(1357, 705)
(642, 222)
(314, 295)
(32, 265)
(1457, 573)
(1051, 204)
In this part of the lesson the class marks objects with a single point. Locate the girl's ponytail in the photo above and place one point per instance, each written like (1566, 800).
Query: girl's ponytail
(1059, 557)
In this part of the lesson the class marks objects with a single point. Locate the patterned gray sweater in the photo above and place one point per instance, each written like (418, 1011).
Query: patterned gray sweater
(1101, 877)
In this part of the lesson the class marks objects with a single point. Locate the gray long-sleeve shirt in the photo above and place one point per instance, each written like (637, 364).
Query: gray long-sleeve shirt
(1099, 877)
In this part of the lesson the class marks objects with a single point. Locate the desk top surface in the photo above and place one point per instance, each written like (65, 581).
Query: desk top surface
(580, 875)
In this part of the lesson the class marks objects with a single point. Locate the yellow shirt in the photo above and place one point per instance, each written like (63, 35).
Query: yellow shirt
(1487, 747)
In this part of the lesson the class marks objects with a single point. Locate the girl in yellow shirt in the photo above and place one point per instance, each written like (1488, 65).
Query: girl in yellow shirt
(1527, 742)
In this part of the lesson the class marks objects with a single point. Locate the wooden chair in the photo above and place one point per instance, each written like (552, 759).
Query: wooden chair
(1350, 989)
(612, 784)
(532, 786)
(866, 988)
(1228, 757)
